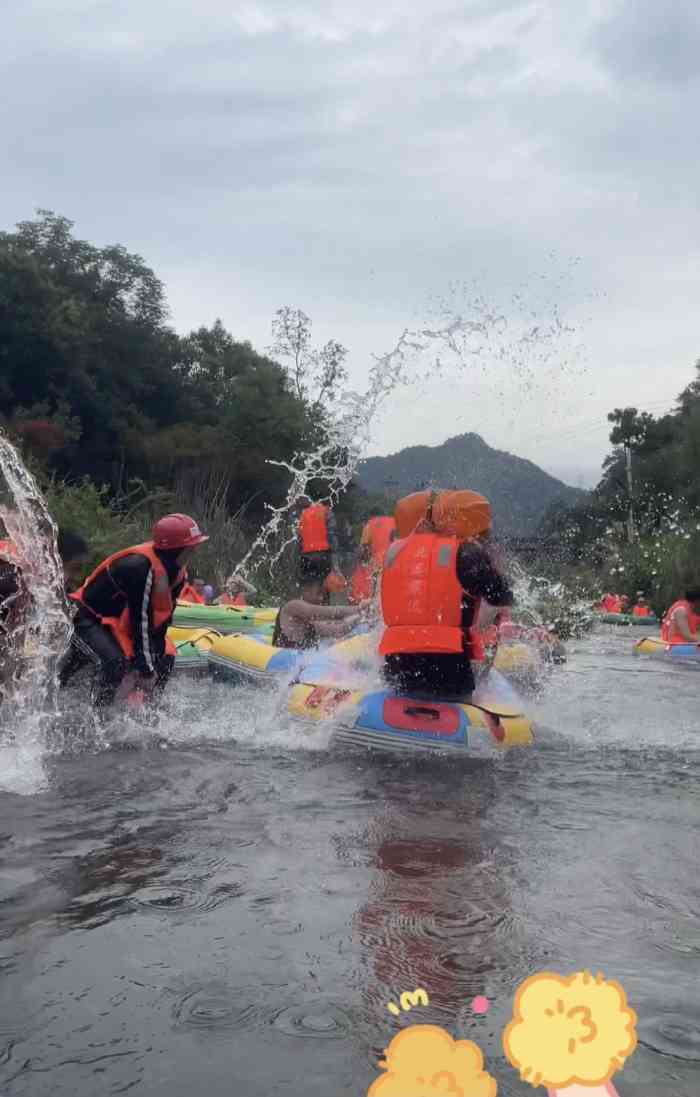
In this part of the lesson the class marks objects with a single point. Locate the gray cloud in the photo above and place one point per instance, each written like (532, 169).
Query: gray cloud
(354, 160)
(652, 42)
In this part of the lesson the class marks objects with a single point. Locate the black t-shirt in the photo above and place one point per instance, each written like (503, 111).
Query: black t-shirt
(129, 581)
(479, 579)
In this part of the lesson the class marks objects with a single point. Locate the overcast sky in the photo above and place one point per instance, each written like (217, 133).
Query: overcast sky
(360, 160)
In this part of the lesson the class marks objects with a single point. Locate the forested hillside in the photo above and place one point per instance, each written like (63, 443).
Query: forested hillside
(121, 416)
(519, 491)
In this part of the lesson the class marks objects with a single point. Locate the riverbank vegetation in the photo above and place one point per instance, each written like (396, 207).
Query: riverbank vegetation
(122, 418)
(640, 528)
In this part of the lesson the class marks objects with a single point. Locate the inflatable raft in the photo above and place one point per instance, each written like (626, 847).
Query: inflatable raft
(192, 647)
(324, 689)
(225, 619)
(627, 619)
(654, 645)
(384, 720)
(251, 658)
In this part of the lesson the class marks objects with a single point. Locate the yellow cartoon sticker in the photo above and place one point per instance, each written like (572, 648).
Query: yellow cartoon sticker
(568, 1034)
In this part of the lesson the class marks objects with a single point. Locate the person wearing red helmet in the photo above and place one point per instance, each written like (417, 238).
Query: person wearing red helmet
(125, 607)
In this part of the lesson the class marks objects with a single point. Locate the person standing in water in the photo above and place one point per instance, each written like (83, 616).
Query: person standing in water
(378, 533)
(433, 584)
(317, 541)
(305, 621)
(125, 607)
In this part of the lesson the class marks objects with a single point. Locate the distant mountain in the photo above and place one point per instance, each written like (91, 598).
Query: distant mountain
(520, 492)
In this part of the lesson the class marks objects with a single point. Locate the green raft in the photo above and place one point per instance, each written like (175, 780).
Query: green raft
(627, 619)
(225, 619)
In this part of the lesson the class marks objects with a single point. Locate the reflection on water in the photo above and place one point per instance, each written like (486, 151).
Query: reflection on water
(233, 914)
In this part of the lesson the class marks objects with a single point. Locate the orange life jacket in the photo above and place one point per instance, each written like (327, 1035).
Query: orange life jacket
(612, 603)
(361, 584)
(227, 599)
(641, 611)
(378, 534)
(8, 551)
(422, 599)
(669, 630)
(313, 529)
(162, 604)
(191, 594)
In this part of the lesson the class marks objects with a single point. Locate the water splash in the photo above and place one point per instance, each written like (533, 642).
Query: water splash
(32, 704)
(480, 333)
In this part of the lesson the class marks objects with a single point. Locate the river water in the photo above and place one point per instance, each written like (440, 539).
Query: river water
(232, 912)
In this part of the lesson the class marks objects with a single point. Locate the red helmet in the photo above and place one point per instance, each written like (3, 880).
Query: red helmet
(177, 531)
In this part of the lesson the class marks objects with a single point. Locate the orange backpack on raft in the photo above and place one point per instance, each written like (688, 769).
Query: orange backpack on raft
(462, 514)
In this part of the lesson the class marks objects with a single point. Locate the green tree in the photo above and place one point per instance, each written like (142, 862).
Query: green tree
(317, 375)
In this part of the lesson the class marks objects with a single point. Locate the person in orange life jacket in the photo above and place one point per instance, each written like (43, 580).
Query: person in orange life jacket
(610, 603)
(125, 607)
(303, 622)
(317, 540)
(362, 582)
(235, 592)
(681, 623)
(431, 590)
(641, 607)
(193, 592)
(378, 533)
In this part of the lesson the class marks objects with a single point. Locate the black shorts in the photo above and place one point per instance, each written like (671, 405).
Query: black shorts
(448, 676)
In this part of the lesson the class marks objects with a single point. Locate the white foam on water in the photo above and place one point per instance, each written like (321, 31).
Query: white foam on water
(22, 768)
(202, 711)
(26, 717)
(607, 696)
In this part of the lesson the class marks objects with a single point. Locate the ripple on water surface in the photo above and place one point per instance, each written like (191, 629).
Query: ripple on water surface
(164, 898)
(674, 1032)
(218, 1009)
(315, 1021)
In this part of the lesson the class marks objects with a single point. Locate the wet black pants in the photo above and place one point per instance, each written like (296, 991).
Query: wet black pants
(93, 644)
